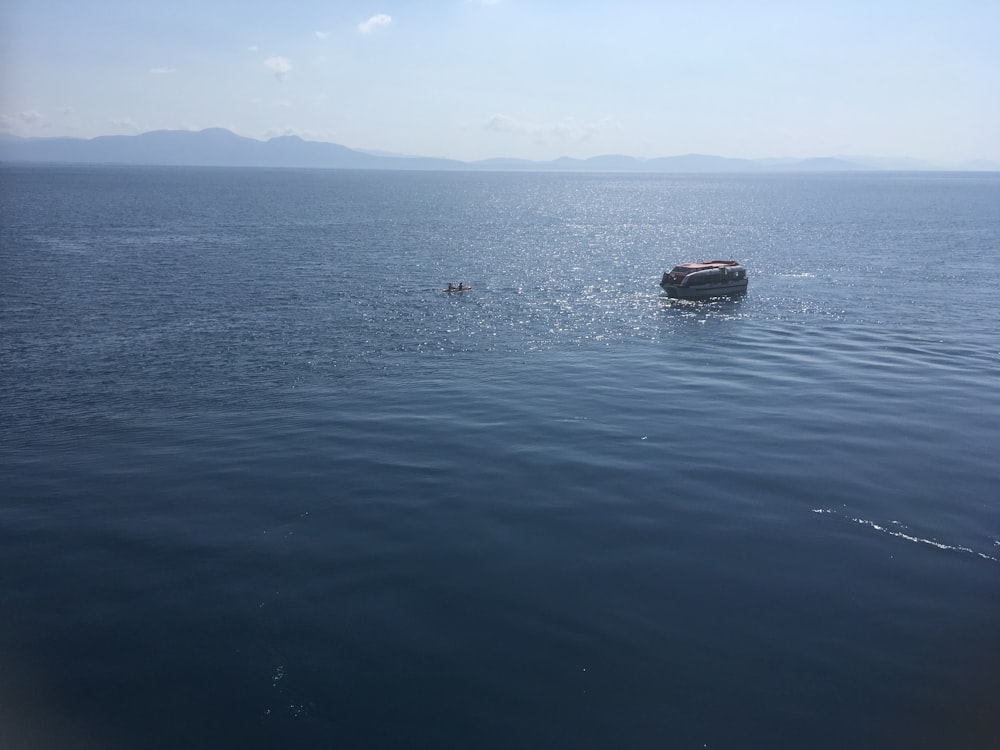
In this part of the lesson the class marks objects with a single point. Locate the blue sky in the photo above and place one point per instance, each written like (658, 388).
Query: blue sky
(472, 79)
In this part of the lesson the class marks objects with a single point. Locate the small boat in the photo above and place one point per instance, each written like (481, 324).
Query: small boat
(711, 278)
(459, 288)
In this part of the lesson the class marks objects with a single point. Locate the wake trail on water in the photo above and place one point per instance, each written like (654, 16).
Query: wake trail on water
(900, 532)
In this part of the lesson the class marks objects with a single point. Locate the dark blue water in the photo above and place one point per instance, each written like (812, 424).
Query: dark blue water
(265, 486)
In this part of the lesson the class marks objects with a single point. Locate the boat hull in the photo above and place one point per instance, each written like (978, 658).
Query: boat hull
(704, 291)
(712, 278)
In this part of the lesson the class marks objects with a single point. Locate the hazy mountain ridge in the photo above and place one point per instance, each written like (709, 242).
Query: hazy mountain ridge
(222, 148)
(214, 147)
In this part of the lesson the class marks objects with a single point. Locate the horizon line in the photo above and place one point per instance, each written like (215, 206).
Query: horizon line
(851, 162)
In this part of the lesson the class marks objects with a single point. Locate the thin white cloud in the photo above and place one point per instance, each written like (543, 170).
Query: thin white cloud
(367, 27)
(124, 123)
(253, 48)
(568, 130)
(279, 132)
(162, 71)
(329, 136)
(27, 123)
(278, 65)
(505, 124)
(31, 117)
(321, 34)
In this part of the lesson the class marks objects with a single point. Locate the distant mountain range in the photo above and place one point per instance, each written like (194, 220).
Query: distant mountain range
(217, 147)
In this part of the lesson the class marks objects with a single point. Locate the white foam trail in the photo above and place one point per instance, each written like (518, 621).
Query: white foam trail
(911, 538)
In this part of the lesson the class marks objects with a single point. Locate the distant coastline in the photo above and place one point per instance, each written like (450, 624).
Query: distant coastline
(217, 147)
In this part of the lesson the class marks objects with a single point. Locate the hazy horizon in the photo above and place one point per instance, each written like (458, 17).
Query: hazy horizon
(471, 80)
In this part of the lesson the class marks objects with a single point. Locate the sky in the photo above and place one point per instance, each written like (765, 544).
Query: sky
(534, 79)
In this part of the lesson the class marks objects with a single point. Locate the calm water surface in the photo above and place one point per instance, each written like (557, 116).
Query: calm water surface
(264, 485)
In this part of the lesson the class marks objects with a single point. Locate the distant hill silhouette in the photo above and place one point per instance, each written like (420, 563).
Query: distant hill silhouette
(221, 148)
(214, 147)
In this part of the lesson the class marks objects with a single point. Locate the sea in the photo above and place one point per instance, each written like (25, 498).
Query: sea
(263, 484)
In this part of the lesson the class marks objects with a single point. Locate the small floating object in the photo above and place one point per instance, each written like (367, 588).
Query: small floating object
(710, 278)
(460, 288)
